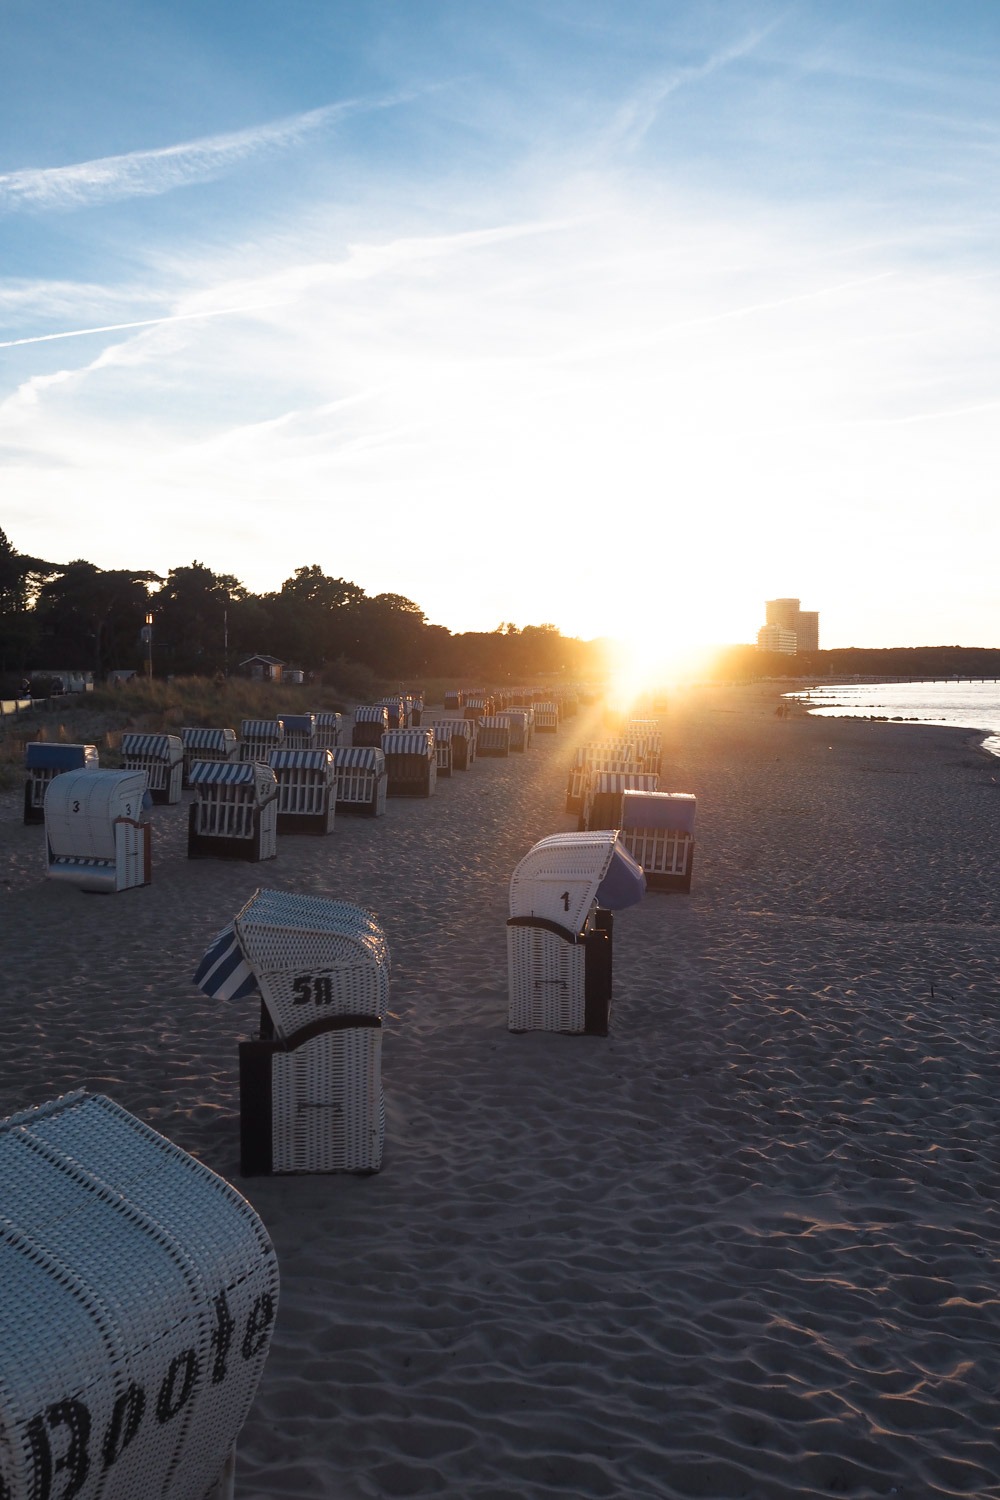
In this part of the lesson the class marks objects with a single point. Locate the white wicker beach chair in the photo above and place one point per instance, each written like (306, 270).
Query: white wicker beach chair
(463, 743)
(546, 716)
(329, 727)
(361, 779)
(657, 828)
(371, 722)
(562, 894)
(410, 762)
(161, 756)
(493, 735)
(140, 1292)
(522, 725)
(97, 830)
(258, 737)
(311, 1086)
(234, 814)
(600, 755)
(307, 790)
(208, 744)
(42, 763)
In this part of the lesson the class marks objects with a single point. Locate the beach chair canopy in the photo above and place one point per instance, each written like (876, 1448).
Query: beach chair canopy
(209, 739)
(408, 742)
(252, 774)
(298, 723)
(360, 757)
(564, 875)
(673, 810)
(309, 958)
(165, 747)
(39, 755)
(372, 713)
(302, 760)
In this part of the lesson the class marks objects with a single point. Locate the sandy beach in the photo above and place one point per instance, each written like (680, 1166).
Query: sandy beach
(746, 1246)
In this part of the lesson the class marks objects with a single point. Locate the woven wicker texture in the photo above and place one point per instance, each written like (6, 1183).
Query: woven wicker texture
(558, 878)
(546, 981)
(313, 958)
(139, 1297)
(82, 807)
(328, 1106)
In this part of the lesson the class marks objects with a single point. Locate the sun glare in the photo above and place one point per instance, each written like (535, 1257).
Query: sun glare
(644, 669)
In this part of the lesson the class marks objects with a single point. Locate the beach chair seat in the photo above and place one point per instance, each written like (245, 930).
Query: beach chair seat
(361, 779)
(161, 756)
(657, 828)
(410, 762)
(140, 1292)
(559, 931)
(307, 790)
(329, 729)
(42, 763)
(208, 744)
(234, 814)
(371, 722)
(258, 737)
(97, 830)
(493, 735)
(443, 729)
(311, 1096)
(299, 731)
(603, 800)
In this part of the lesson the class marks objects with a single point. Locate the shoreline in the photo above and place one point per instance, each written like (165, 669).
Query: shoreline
(744, 1245)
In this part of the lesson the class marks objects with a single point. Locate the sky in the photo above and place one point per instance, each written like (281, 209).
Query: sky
(624, 317)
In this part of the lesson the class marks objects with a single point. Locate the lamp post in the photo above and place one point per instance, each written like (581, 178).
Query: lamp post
(148, 633)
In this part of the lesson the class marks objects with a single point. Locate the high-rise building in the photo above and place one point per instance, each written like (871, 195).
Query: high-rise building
(777, 638)
(785, 616)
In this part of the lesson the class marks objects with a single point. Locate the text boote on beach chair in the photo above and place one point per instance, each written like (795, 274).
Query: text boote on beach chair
(140, 1291)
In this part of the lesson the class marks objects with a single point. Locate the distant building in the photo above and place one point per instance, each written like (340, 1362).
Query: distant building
(785, 616)
(777, 638)
(262, 668)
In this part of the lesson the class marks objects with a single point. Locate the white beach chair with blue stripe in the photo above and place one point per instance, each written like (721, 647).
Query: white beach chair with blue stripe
(657, 828)
(208, 744)
(234, 814)
(410, 762)
(329, 728)
(361, 779)
(43, 762)
(161, 756)
(307, 790)
(311, 1095)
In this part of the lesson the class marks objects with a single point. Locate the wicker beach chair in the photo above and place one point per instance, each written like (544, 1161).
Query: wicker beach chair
(208, 744)
(140, 1291)
(329, 727)
(562, 894)
(590, 759)
(42, 763)
(546, 716)
(522, 727)
(453, 698)
(307, 790)
(410, 762)
(234, 814)
(361, 780)
(258, 737)
(161, 756)
(311, 1095)
(657, 828)
(443, 731)
(97, 830)
(463, 743)
(371, 722)
(493, 735)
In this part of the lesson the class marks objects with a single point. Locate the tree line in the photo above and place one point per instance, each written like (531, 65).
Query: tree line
(79, 617)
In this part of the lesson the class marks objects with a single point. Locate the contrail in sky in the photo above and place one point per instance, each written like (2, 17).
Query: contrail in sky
(79, 333)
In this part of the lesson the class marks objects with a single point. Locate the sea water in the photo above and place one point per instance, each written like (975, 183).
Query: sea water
(962, 705)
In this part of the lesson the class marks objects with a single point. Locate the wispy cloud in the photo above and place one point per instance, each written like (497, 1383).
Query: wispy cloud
(77, 333)
(638, 114)
(139, 174)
